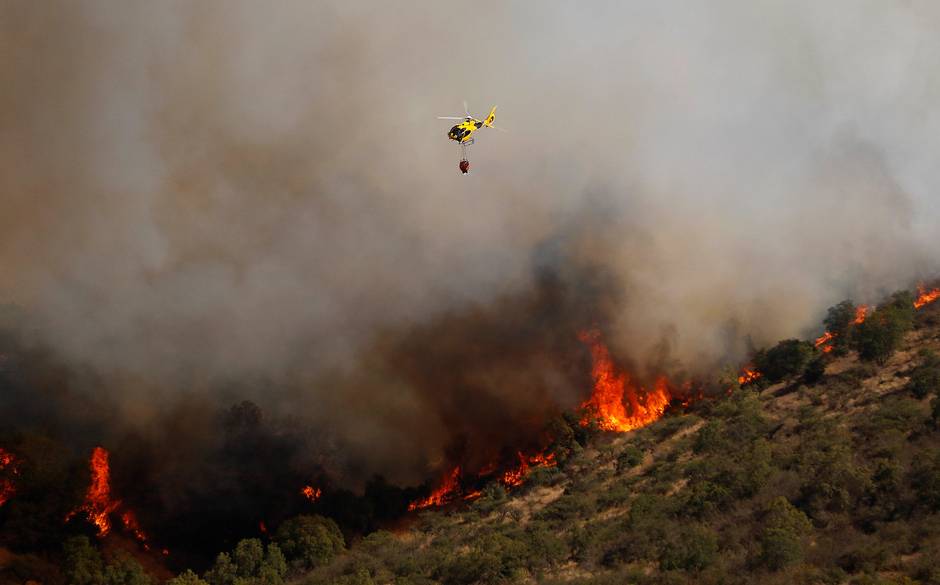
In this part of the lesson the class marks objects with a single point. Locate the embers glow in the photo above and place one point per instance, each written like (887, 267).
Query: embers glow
(7, 469)
(443, 494)
(311, 493)
(747, 376)
(130, 523)
(606, 404)
(925, 297)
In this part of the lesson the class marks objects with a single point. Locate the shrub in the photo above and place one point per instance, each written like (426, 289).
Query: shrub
(83, 565)
(629, 458)
(695, 548)
(882, 332)
(926, 377)
(784, 361)
(310, 541)
(187, 577)
(838, 321)
(782, 537)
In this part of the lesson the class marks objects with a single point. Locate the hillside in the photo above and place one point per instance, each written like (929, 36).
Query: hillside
(832, 482)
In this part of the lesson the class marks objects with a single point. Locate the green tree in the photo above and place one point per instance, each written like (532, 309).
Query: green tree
(784, 361)
(781, 540)
(248, 556)
(838, 321)
(310, 541)
(926, 377)
(83, 565)
(187, 577)
(124, 570)
(694, 548)
(882, 332)
(223, 572)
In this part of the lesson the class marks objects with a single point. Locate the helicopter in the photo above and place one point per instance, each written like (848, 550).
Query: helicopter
(462, 133)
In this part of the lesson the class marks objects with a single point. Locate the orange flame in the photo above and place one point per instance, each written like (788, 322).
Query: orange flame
(130, 523)
(516, 477)
(606, 403)
(7, 487)
(311, 493)
(925, 297)
(825, 338)
(861, 313)
(98, 504)
(747, 376)
(442, 494)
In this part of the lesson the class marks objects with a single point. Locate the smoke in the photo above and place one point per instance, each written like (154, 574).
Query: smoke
(208, 202)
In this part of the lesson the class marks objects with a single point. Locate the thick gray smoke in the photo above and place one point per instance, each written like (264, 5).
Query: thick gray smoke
(256, 191)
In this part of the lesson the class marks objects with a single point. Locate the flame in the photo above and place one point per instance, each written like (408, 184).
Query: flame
(516, 477)
(442, 494)
(130, 523)
(861, 313)
(925, 297)
(606, 403)
(98, 505)
(262, 527)
(311, 493)
(747, 376)
(7, 487)
(825, 338)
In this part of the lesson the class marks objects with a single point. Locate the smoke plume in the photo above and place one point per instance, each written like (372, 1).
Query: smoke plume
(202, 203)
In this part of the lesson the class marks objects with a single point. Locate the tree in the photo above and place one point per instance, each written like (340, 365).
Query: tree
(786, 360)
(838, 321)
(125, 571)
(83, 565)
(782, 537)
(310, 541)
(695, 548)
(223, 572)
(187, 577)
(926, 377)
(882, 332)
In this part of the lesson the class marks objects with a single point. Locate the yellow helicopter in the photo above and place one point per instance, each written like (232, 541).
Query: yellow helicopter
(463, 133)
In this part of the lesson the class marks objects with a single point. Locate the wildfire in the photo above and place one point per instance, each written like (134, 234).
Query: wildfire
(516, 477)
(606, 403)
(824, 339)
(7, 465)
(130, 523)
(442, 494)
(925, 297)
(747, 376)
(99, 505)
(311, 493)
(861, 313)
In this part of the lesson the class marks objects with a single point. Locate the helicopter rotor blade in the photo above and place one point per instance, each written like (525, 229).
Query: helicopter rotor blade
(451, 118)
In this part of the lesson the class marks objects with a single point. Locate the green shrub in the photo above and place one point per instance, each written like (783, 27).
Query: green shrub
(83, 564)
(882, 332)
(629, 458)
(784, 361)
(310, 541)
(926, 377)
(693, 549)
(839, 320)
(782, 537)
(187, 577)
